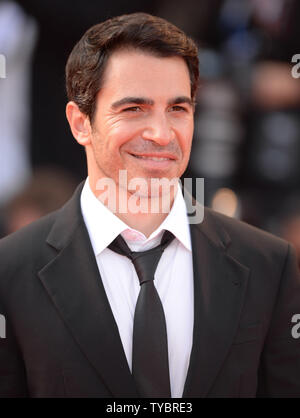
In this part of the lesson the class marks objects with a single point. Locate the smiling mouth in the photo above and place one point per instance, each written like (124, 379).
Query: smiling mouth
(152, 158)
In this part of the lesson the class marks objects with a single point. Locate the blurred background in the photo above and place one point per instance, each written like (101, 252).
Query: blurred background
(247, 124)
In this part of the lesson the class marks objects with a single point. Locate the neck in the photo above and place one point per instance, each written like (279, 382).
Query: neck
(144, 214)
(144, 223)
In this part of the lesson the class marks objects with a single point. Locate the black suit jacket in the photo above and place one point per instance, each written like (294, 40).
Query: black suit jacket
(62, 340)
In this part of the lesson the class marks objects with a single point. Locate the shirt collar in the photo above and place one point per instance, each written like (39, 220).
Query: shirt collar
(103, 226)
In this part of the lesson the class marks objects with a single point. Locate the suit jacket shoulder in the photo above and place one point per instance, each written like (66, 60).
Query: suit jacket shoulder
(245, 242)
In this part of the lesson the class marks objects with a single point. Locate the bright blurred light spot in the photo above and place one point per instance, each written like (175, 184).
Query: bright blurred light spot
(225, 201)
(273, 86)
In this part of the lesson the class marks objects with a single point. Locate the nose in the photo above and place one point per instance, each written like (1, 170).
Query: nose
(159, 130)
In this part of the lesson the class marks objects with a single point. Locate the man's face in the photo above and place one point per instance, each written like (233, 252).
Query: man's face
(144, 117)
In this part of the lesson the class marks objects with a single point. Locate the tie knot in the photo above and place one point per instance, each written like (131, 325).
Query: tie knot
(145, 262)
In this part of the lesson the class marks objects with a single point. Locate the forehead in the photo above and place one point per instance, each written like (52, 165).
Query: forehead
(135, 72)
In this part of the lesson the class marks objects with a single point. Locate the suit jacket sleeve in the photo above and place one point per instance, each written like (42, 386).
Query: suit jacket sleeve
(279, 373)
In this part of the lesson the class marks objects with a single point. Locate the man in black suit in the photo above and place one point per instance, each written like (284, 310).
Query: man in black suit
(229, 291)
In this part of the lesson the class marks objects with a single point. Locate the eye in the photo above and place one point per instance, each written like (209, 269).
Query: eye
(177, 108)
(132, 109)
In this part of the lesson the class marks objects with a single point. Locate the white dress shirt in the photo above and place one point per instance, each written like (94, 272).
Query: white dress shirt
(173, 277)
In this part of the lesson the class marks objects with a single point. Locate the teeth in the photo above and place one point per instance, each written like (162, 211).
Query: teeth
(152, 158)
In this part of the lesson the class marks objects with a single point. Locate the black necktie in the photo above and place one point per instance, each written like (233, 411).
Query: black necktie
(150, 366)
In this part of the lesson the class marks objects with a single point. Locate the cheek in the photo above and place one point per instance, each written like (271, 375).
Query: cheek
(185, 135)
(119, 134)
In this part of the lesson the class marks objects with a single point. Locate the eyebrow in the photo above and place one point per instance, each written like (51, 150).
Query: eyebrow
(181, 99)
(149, 102)
(132, 100)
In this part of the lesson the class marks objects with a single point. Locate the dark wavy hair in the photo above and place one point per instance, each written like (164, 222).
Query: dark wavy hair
(87, 61)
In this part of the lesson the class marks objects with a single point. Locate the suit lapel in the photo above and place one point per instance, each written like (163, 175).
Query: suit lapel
(219, 288)
(73, 283)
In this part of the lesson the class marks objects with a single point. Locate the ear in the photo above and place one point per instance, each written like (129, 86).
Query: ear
(79, 123)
